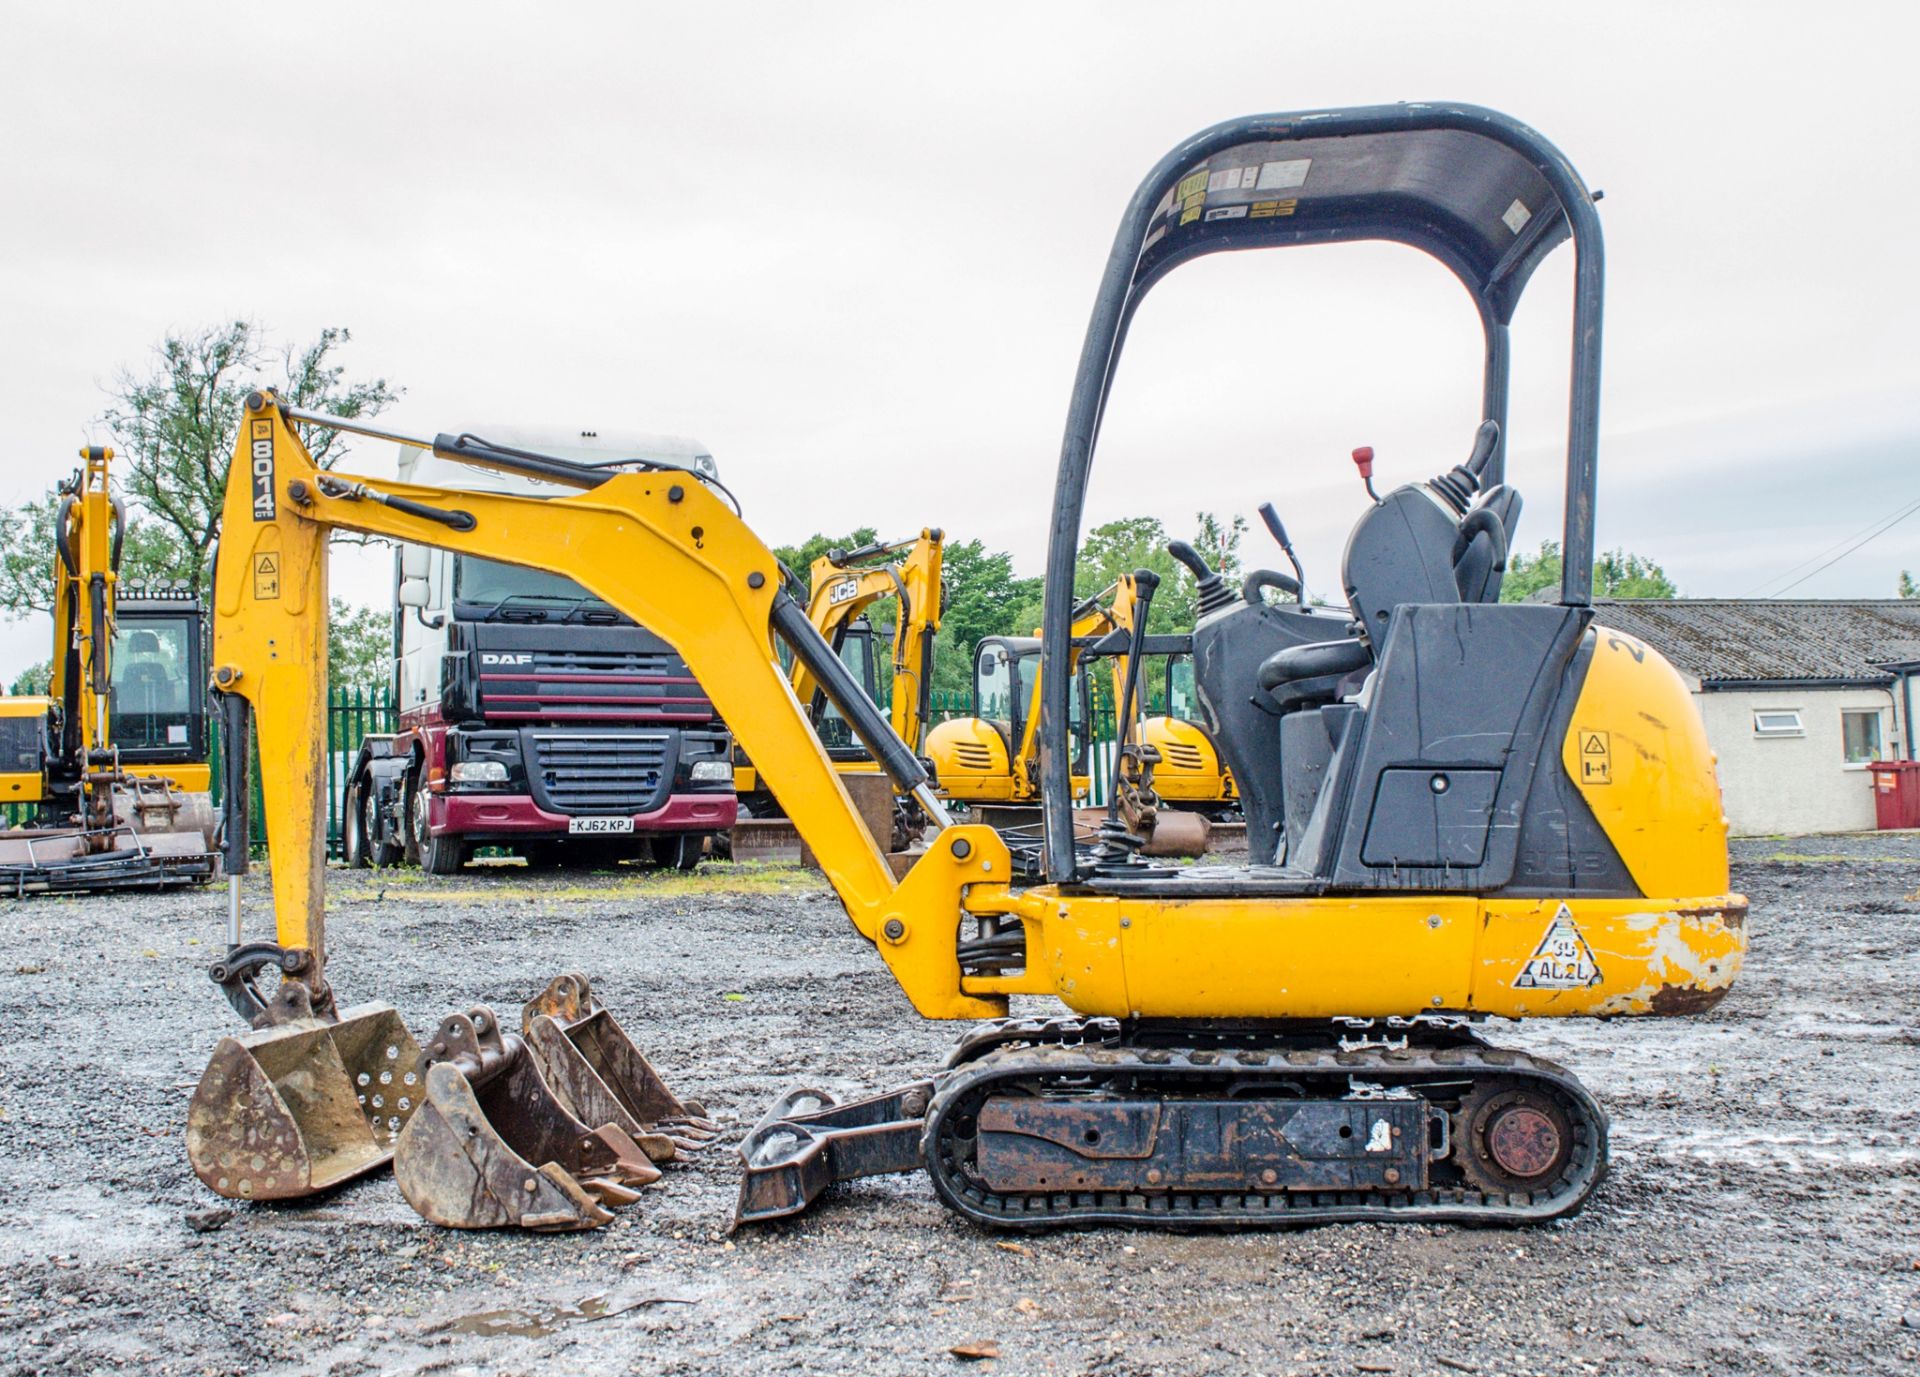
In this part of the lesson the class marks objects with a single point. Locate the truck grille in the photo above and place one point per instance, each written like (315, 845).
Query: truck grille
(592, 685)
(626, 772)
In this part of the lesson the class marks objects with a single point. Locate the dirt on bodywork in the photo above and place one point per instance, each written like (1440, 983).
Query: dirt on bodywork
(1758, 1219)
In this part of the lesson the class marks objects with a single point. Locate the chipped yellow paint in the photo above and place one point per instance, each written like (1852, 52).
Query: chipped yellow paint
(1367, 956)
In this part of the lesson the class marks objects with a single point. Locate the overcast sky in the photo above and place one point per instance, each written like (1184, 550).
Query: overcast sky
(853, 248)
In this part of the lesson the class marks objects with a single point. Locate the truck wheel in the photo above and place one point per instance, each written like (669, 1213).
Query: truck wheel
(411, 791)
(381, 849)
(682, 851)
(438, 855)
(353, 829)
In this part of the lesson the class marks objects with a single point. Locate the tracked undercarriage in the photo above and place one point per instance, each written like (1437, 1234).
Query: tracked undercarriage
(1043, 1124)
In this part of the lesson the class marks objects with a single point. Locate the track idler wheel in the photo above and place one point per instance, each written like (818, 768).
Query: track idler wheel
(1512, 1138)
(492, 1146)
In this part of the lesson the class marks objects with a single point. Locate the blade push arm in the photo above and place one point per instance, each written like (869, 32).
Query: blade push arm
(660, 547)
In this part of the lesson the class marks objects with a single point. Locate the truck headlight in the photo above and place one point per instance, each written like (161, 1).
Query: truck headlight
(479, 772)
(711, 772)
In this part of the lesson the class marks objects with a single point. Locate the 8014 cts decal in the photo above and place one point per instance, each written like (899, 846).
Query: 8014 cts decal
(261, 465)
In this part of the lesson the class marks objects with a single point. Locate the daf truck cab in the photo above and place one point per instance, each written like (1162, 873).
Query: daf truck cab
(531, 715)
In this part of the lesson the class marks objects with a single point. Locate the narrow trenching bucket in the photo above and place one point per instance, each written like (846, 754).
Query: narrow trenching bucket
(300, 1107)
(602, 1074)
(493, 1147)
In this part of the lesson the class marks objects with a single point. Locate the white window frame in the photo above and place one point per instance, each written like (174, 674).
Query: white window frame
(1880, 719)
(1763, 732)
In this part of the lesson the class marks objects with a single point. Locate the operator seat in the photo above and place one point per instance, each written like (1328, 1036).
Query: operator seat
(1426, 542)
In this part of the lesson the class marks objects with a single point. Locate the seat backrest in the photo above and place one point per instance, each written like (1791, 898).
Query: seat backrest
(1400, 551)
(1409, 548)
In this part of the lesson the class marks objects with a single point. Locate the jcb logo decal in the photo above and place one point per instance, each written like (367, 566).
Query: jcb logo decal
(261, 462)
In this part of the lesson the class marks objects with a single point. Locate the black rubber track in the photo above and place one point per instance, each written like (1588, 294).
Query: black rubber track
(1011, 1061)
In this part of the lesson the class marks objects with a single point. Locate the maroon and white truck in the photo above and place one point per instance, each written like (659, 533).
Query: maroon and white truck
(532, 716)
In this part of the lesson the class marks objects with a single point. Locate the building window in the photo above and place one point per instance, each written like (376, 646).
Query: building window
(1860, 736)
(1777, 722)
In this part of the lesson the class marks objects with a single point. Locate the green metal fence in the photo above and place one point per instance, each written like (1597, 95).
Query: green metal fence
(353, 712)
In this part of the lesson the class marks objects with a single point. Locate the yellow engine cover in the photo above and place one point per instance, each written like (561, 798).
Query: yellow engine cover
(1189, 770)
(1638, 751)
(970, 762)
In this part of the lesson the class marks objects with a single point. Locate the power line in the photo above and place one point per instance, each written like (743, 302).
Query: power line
(1818, 554)
(1884, 527)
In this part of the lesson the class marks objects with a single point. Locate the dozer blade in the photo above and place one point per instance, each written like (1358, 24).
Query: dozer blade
(603, 1077)
(77, 861)
(286, 1111)
(492, 1146)
(807, 1142)
(1175, 833)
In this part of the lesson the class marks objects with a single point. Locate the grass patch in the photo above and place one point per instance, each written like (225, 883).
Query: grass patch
(510, 883)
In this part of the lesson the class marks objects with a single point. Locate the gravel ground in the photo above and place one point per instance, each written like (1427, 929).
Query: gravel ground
(1759, 1218)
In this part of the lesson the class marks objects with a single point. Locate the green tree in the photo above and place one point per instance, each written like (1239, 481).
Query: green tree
(1616, 574)
(152, 552)
(983, 598)
(359, 645)
(173, 425)
(33, 681)
(1140, 542)
(799, 558)
(1908, 588)
(1219, 543)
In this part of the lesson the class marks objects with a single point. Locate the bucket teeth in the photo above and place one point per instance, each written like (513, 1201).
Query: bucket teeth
(492, 1146)
(602, 1075)
(298, 1108)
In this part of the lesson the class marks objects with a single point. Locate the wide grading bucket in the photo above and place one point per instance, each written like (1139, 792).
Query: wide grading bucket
(286, 1111)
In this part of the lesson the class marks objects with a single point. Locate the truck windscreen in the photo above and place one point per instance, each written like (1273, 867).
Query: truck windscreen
(488, 582)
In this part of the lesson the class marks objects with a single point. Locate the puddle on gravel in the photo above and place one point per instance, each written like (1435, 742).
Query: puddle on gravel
(538, 1324)
(1807, 1151)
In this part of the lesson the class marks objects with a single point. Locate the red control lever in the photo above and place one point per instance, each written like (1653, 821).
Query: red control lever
(1363, 460)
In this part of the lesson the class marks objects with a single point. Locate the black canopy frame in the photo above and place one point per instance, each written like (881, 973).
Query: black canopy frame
(1483, 193)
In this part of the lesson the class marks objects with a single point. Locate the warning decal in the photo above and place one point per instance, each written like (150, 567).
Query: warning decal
(1562, 961)
(1596, 758)
(266, 576)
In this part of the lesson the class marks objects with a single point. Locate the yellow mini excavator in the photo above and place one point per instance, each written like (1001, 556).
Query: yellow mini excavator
(113, 760)
(844, 585)
(990, 761)
(1485, 809)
